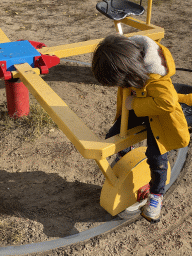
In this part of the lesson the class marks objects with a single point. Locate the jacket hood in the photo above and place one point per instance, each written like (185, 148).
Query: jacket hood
(157, 58)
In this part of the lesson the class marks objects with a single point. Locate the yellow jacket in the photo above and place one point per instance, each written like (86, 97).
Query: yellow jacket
(160, 102)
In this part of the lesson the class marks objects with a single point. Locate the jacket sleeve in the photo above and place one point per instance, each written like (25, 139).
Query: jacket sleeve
(161, 98)
(185, 98)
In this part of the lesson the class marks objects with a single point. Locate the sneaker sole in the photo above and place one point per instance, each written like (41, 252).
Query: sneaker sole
(152, 221)
(132, 210)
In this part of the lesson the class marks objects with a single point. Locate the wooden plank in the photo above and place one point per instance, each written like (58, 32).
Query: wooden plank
(135, 23)
(67, 50)
(63, 51)
(3, 37)
(62, 115)
(15, 74)
(85, 141)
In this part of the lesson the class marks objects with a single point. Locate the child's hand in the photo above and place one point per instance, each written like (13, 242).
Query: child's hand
(129, 101)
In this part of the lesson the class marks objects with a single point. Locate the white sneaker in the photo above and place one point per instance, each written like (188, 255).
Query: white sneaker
(152, 209)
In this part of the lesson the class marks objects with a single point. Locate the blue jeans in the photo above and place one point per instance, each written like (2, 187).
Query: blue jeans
(158, 163)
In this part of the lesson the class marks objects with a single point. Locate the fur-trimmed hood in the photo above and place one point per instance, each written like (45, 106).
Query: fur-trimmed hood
(157, 59)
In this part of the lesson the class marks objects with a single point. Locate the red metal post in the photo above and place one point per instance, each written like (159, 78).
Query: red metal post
(17, 98)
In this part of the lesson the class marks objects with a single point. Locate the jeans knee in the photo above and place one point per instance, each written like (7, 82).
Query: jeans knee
(158, 163)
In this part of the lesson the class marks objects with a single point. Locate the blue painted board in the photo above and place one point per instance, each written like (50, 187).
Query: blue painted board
(17, 53)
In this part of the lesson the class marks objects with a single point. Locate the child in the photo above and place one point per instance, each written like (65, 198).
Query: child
(145, 66)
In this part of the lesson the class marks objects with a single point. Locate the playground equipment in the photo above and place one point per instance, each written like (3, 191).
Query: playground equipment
(26, 60)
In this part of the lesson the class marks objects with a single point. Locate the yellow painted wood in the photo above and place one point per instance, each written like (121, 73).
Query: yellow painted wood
(63, 51)
(154, 34)
(3, 37)
(133, 172)
(126, 93)
(62, 115)
(107, 171)
(159, 40)
(67, 50)
(73, 127)
(138, 24)
(149, 9)
(133, 136)
(125, 114)
(15, 74)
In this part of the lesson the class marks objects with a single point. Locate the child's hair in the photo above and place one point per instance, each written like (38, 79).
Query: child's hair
(118, 61)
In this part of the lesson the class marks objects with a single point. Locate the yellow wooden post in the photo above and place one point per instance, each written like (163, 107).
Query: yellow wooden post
(126, 92)
(149, 8)
(107, 171)
(124, 114)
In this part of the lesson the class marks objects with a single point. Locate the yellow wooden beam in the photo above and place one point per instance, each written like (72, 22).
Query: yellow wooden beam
(154, 34)
(3, 37)
(138, 24)
(63, 51)
(62, 115)
(133, 136)
(85, 141)
(15, 74)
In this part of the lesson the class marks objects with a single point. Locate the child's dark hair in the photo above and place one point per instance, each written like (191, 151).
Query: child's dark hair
(118, 61)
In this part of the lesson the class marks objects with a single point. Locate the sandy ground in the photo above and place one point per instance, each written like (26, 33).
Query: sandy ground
(47, 189)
